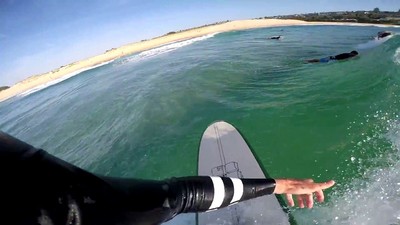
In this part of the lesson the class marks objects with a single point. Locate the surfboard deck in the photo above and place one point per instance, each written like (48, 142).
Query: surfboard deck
(224, 152)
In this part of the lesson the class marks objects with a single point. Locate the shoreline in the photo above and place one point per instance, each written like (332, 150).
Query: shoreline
(115, 53)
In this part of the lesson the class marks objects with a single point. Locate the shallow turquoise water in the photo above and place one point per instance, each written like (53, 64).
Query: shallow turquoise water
(143, 115)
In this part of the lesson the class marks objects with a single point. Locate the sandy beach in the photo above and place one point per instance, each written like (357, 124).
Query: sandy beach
(116, 53)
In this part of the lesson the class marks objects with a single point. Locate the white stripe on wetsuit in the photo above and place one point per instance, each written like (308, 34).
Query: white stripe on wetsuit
(237, 188)
(219, 191)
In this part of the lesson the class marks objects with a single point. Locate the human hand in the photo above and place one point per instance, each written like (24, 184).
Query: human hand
(303, 189)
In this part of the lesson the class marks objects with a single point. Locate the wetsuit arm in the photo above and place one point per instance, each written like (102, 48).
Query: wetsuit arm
(38, 188)
(203, 193)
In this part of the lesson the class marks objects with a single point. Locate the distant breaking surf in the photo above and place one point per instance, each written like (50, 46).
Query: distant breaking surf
(56, 81)
(163, 49)
(373, 43)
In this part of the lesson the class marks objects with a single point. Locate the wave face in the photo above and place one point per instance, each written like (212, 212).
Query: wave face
(337, 120)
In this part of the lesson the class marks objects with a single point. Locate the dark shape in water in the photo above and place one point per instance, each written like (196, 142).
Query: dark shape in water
(382, 34)
(333, 58)
(275, 37)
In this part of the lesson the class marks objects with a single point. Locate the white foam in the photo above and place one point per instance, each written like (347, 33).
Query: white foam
(396, 56)
(53, 82)
(164, 49)
(372, 199)
(373, 43)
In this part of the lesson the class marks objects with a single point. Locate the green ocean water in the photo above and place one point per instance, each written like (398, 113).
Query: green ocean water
(143, 115)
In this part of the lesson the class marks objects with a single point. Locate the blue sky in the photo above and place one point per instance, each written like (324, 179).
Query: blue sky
(37, 36)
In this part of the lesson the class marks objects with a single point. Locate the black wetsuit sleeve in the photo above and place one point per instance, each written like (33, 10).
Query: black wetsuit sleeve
(203, 193)
(38, 188)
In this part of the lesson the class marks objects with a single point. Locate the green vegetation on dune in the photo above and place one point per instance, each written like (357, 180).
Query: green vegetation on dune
(373, 16)
(207, 25)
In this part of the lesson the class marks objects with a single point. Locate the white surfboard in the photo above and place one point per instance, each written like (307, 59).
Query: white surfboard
(223, 152)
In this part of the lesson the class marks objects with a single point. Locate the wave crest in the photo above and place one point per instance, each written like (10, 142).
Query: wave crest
(164, 49)
(58, 80)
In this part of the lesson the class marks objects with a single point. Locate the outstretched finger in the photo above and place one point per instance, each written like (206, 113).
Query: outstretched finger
(289, 199)
(326, 185)
(300, 201)
(320, 195)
